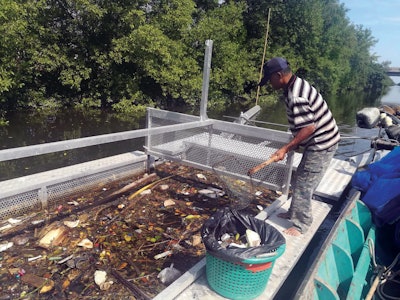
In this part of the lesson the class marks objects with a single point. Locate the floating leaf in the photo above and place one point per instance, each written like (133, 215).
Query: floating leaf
(128, 237)
(191, 217)
(122, 266)
(66, 284)
(47, 287)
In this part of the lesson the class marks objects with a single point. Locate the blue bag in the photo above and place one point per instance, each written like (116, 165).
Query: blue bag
(380, 187)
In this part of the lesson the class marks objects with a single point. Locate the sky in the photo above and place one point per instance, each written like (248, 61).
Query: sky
(382, 17)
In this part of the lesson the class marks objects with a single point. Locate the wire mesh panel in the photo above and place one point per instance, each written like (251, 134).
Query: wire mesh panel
(204, 146)
(58, 193)
(241, 192)
(54, 188)
(19, 204)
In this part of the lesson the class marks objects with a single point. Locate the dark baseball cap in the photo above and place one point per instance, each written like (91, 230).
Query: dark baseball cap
(272, 66)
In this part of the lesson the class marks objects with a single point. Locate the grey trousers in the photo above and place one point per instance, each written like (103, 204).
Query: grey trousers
(309, 173)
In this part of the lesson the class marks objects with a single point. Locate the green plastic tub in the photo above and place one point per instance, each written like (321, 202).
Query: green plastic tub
(243, 281)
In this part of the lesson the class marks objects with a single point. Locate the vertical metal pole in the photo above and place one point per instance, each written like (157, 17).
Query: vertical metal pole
(206, 80)
(147, 139)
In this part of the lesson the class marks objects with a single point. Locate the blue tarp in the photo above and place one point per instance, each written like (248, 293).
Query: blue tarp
(379, 184)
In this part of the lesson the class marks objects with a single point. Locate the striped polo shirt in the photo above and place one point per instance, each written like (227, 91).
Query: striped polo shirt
(305, 106)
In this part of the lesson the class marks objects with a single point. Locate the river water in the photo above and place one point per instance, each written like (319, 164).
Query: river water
(28, 128)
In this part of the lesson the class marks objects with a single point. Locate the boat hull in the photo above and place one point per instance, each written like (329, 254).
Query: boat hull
(343, 267)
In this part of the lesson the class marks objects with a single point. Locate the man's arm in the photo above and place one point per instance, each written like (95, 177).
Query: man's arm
(301, 136)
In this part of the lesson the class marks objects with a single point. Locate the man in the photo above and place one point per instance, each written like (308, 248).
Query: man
(313, 128)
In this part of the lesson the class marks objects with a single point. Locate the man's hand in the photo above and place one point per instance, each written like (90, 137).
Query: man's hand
(257, 168)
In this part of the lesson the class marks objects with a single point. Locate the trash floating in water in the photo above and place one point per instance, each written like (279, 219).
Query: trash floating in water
(71, 224)
(169, 202)
(211, 192)
(146, 192)
(100, 277)
(5, 227)
(20, 240)
(35, 258)
(13, 221)
(169, 275)
(164, 254)
(44, 284)
(5, 246)
(54, 235)
(137, 237)
(86, 243)
(201, 176)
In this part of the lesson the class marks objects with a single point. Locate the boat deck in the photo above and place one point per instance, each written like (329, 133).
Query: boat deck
(193, 284)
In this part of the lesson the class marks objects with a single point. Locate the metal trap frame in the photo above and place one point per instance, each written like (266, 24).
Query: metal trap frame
(205, 143)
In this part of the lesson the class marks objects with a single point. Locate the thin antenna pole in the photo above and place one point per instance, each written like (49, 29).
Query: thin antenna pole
(263, 58)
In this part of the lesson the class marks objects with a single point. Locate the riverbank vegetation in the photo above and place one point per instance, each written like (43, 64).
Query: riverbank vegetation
(126, 55)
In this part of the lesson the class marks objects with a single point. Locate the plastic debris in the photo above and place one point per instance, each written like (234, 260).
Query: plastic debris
(235, 245)
(100, 277)
(10, 223)
(211, 192)
(71, 224)
(20, 240)
(5, 227)
(35, 222)
(66, 259)
(13, 221)
(86, 243)
(164, 254)
(5, 246)
(146, 192)
(201, 176)
(206, 192)
(34, 258)
(164, 187)
(106, 285)
(253, 238)
(169, 275)
(169, 202)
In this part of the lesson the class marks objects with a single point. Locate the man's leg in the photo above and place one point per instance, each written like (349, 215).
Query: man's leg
(308, 175)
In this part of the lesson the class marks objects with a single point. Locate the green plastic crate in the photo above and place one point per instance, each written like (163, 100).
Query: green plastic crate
(240, 281)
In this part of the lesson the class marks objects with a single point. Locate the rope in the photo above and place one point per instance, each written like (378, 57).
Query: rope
(384, 275)
(263, 58)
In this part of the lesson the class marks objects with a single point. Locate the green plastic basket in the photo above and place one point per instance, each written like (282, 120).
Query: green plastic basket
(243, 281)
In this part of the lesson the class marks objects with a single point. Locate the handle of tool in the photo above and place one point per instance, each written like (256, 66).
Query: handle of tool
(262, 165)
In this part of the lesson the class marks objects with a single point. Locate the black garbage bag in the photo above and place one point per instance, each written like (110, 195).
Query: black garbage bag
(227, 220)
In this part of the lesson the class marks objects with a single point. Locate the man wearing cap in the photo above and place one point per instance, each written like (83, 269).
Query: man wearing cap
(314, 130)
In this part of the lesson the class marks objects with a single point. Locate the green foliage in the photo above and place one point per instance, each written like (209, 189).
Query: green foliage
(127, 55)
(128, 109)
